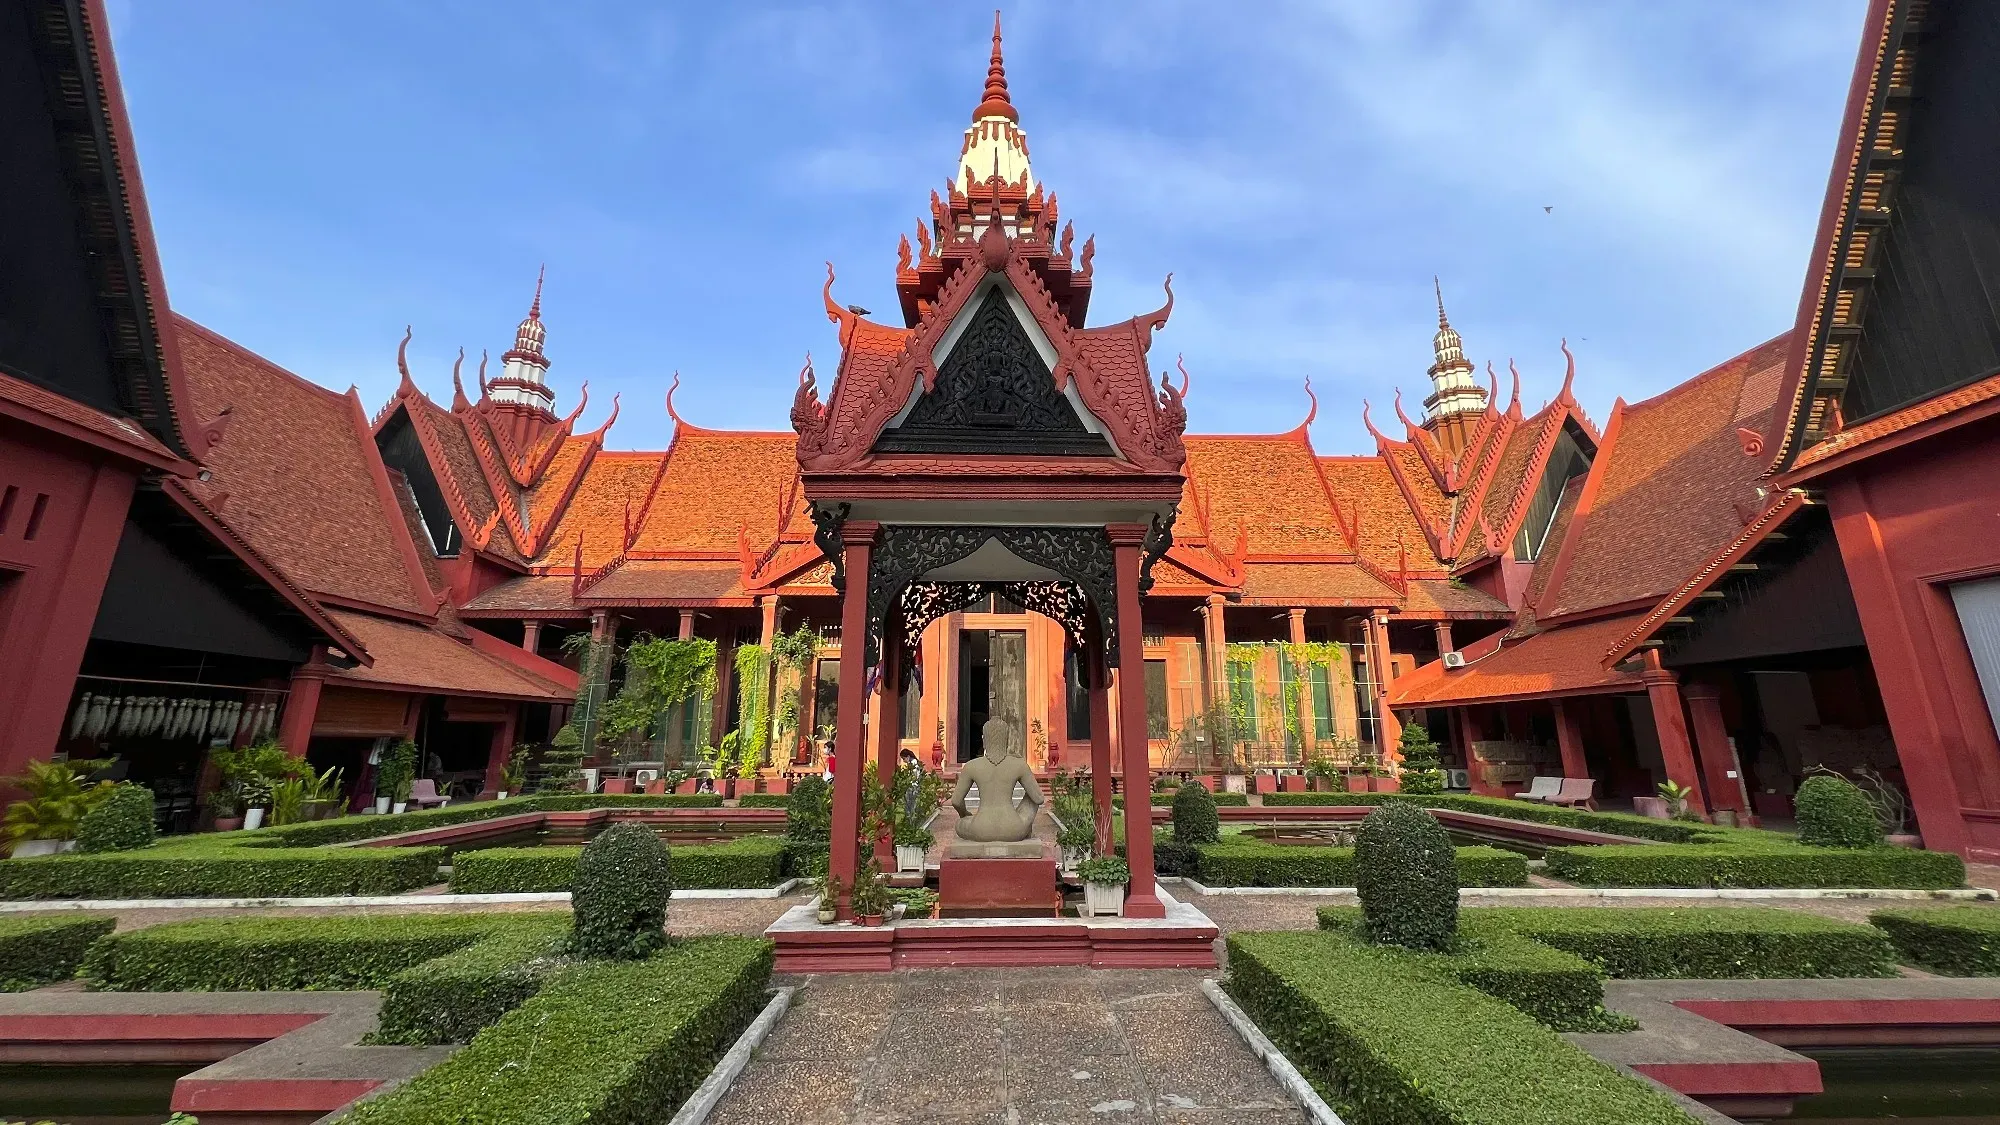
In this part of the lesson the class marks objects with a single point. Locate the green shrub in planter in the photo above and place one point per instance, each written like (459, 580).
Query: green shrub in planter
(809, 811)
(122, 822)
(1833, 812)
(1105, 871)
(1195, 818)
(39, 950)
(1406, 876)
(623, 881)
(1958, 941)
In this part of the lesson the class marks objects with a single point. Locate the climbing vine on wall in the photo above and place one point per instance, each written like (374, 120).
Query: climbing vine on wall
(753, 707)
(794, 653)
(659, 676)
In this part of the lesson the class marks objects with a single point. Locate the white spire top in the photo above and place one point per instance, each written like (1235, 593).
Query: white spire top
(994, 144)
(1454, 390)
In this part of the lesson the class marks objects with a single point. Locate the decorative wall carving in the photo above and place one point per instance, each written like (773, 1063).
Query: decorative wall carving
(905, 553)
(827, 521)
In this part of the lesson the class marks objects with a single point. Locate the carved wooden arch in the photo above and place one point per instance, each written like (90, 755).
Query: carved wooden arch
(922, 603)
(907, 552)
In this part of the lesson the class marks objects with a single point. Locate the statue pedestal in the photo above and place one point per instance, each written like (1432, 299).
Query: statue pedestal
(991, 880)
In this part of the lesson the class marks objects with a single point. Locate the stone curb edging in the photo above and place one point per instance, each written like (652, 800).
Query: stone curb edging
(1960, 894)
(22, 906)
(710, 1093)
(1281, 1068)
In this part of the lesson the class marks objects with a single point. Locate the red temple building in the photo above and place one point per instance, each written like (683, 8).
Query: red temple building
(1786, 562)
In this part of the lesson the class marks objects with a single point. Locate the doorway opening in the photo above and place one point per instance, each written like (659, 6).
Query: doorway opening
(992, 683)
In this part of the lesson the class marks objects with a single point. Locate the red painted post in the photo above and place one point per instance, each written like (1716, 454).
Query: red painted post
(1670, 724)
(295, 728)
(496, 756)
(1100, 743)
(1142, 898)
(888, 729)
(857, 539)
(1711, 739)
(1569, 739)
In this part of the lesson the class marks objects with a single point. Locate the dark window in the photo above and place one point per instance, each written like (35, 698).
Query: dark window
(1243, 700)
(1567, 461)
(826, 694)
(1322, 701)
(1156, 699)
(1076, 694)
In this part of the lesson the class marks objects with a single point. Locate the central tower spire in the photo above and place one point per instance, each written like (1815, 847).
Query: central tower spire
(1456, 399)
(994, 144)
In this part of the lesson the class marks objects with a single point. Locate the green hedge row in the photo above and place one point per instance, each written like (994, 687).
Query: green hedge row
(368, 826)
(1240, 862)
(1165, 798)
(277, 954)
(1708, 943)
(603, 1043)
(1620, 824)
(764, 801)
(1757, 864)
(45, 949)
(1959, 941)
(1395, 1042)
(749, 861)
(221, 865)
(447, 999)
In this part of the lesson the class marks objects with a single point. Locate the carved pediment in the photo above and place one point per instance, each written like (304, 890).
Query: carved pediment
(993, 394)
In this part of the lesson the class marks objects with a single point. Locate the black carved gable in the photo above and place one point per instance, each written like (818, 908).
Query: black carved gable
(993, 395)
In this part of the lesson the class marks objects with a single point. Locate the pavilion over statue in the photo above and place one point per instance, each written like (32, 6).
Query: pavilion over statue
(993, 442)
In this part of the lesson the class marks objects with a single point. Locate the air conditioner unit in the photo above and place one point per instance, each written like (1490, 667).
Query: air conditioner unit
(1457, 779)
(643, 778)
(1454, 660)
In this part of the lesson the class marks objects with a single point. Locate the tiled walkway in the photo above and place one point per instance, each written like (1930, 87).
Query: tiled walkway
(1013, 1046)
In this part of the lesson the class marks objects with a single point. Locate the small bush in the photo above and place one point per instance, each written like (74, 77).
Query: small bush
(121, 822)
(623, 881)
(278, 954)
(1833, 812)
(1958, 941)
(1406, 875)
(1195, 819)
(44, 949)
(809, 811)
(764, 801)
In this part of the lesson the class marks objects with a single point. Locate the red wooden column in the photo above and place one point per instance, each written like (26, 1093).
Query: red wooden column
(857, 544)
(1142, 898)
(1389, 731)
(302, 704)
(1100, 743)
(1443, 631)
(1711, 740)
(687, 625)
(1670, 724)
(496, 756)
(767, 629)
(1569, 739)
(531, 635)
(1214, 647)
(888, 730)
(1295, 625)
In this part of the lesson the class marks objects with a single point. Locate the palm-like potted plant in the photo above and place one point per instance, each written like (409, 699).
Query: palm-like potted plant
(1104, 880)
(393, 775)
(58, 794)
(513, 772)
(1077, 815)
(829, 898)
(870, 899)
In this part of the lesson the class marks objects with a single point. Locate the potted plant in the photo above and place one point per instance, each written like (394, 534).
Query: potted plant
(913, 844)
(1676, 797)
(937, 748)
(1104, 880)
(1076, 815)
(869, 899)
(1267, 781)
(512, 772)
(829, 898)
(1320, 772)
(1360, 772)
(393, 775)
(255, 795)
(58, 794)
(227, 807)
(1381, 780)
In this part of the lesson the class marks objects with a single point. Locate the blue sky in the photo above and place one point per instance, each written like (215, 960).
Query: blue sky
(1642, 178)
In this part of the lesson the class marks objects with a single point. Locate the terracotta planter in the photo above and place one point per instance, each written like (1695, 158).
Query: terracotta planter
(1267, 783)
(617, 785)
(1358, 784)
(1385, 785)
(778, 785)
(222, 824)
(1655, 807)
(655, 787)
(687, 786)
(1295, 783)
(1207, 780)
(871, 919)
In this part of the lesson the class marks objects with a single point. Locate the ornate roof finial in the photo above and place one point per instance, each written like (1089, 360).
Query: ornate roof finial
(1439, 290)
(535, 309)
(530, 335)
(995, 103)
(1453, 390)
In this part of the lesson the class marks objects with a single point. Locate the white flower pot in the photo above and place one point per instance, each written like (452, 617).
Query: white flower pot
(500, 796)
(29, 848)
(1233, 783)
(254, 818)
(399, 806)
(1073, 857)
(381, 804)
(1104, 900)
(909, 857)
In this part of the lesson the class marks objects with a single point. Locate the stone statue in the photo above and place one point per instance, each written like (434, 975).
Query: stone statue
(994, 774)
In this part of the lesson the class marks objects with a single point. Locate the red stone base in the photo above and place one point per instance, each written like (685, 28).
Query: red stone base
(1009, 943)
(970, 888)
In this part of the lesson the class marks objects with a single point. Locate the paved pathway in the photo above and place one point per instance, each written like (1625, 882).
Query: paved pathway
(1013, 1046)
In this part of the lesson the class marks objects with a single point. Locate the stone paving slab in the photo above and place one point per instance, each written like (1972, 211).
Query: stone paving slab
(1018, 1046)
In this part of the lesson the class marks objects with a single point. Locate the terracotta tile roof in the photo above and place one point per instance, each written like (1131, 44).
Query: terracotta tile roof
(1421, 487)
(446, 431)
(1557, 662)
(1665, 497)
(1365, 492)
(118, 431)
(1515, 474)
(641, 581)
(1269, 486)
(418, 656)
(1888, 425)
(1315, 584)
(716, 482)
(598, 510)
(294, 475)
(1430, 596)
(532, 592)
(544, 500)
(1545, 563)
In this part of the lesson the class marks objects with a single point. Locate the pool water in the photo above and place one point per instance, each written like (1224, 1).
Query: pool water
(1935, 1085)
(123, 1094)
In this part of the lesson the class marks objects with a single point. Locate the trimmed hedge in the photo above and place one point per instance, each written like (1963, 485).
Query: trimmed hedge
(623, 885)
(279, 954)
(764, 801)
(1560, 989)
(221, 864)
(1958, 941)
(1704, 942)
(119, 823)
(449, 998)
(1620, 824)
(611, 1044)
(1194, 817)
(1753, 864)
(1166, 797)
(749, 861)
(41, 950)
(1833, 812)
(1240, 862)
(1406, 875)
(1395, 1041)
(345, 829)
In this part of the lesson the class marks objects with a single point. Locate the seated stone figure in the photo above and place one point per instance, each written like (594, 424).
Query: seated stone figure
(994, 774)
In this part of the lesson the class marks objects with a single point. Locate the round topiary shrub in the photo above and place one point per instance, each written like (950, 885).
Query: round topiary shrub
(120, 822)
(620, 895)
(1833, 812)
(1407, 875)
(1195, 821)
